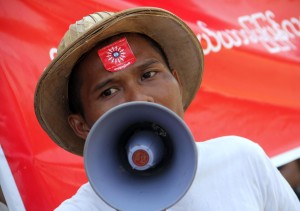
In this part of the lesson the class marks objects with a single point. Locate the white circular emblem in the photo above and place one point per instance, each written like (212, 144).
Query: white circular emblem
(116, 54)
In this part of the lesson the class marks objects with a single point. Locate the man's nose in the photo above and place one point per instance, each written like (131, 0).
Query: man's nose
(139, 94)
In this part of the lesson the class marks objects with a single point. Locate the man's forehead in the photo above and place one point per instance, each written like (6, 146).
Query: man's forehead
(137, 43)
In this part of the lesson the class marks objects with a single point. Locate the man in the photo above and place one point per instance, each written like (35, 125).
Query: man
(291, 172)
(148, 54)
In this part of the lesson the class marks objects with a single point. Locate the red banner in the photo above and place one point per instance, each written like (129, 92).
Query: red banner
(250, 86)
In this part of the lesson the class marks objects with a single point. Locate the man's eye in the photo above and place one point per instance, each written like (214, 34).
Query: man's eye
(108, 92)
(148, 75)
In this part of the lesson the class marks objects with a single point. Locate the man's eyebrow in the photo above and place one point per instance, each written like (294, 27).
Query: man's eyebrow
(102, 84)
(148, 63)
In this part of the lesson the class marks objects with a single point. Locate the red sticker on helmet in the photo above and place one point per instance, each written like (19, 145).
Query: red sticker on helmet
(116, 56)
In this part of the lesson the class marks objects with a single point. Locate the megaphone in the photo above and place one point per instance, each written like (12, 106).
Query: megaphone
(140, 156)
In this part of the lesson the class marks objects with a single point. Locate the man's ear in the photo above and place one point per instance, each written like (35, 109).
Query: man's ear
(79, 125)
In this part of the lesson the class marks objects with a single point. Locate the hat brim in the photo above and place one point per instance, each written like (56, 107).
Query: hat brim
(177, 40)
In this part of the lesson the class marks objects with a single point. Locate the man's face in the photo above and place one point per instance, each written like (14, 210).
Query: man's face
(148, 79)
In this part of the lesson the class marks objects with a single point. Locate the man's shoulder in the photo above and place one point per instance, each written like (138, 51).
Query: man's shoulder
(84, 199)
(234, 150)
(230, 143)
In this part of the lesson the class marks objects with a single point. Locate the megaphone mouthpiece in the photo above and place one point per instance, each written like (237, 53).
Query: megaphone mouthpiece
(145, 150)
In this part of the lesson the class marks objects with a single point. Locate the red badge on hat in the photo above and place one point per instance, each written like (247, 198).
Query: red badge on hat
(116, 56)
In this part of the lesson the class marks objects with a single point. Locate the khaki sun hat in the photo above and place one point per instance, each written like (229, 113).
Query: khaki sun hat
(177, 40)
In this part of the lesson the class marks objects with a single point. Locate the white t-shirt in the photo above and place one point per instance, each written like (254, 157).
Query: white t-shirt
(233, 174)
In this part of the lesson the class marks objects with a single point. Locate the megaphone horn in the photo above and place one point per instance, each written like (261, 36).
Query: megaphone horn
(140, 156)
